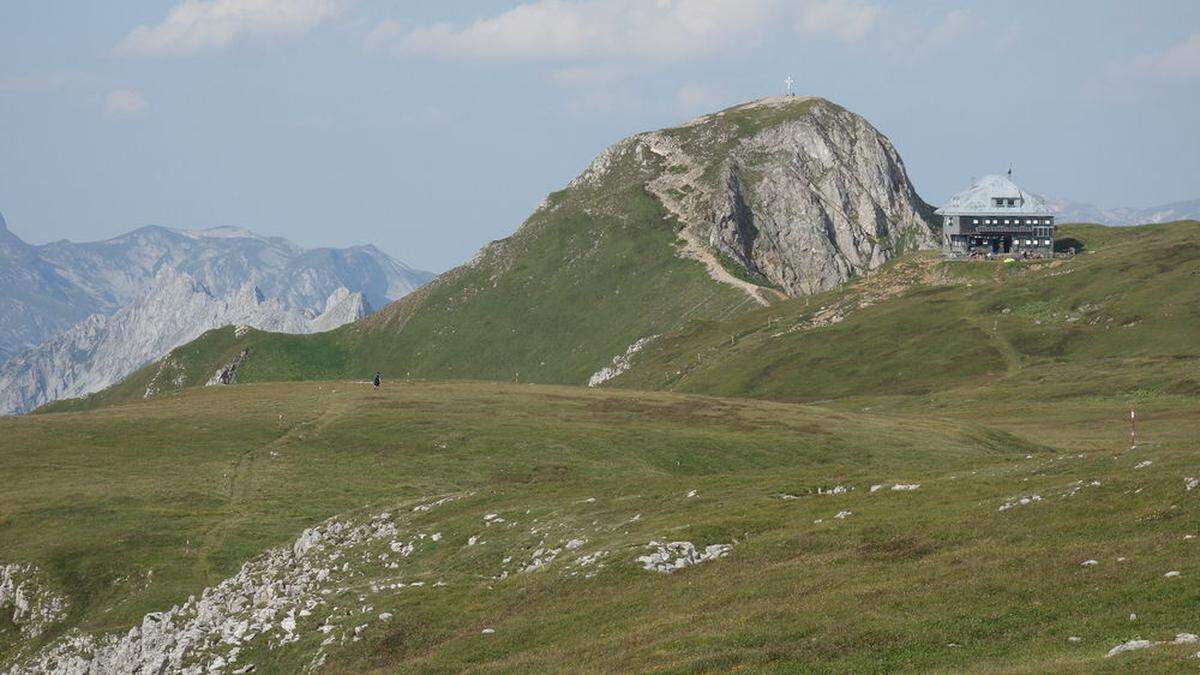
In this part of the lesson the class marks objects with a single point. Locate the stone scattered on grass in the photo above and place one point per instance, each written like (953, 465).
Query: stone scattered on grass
(1019, 501)
(1089, 563)
(835, 490)
(1173, 574)
(1180, 639)
(1143, 464)
(842, 515)
(1128, 647)
(897, 487)
(1079, 485)
(670, 557)
(1191, 483)
(541, 559)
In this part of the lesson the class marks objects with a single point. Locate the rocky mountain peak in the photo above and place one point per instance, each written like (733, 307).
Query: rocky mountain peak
(249, 295)
(7, 237)
(798, 192)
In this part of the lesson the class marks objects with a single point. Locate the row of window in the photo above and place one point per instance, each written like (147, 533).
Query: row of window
(1004, 201)
(1015, 221)
(1016, 242)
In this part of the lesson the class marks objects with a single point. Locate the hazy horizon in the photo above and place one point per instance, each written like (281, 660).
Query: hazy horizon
(428, 130)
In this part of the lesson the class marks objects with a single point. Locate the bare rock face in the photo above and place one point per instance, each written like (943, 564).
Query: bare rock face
(800, 193)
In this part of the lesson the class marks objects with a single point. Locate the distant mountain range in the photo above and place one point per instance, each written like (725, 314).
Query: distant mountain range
(44, 290)
(101, 350)
(1076, 212)
(77, 317)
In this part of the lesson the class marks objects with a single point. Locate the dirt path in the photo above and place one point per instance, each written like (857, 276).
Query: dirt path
(1012, 358)
(694, 249)
(665, 188)
(241, 476)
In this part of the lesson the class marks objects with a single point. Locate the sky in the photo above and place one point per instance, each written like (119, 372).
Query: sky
(429, 128)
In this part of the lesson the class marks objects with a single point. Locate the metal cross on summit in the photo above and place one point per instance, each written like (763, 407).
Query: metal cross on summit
(788, 83)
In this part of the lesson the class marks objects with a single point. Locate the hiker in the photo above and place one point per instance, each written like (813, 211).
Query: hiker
(378, 379)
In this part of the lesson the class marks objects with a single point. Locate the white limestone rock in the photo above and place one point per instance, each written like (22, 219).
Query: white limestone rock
(27, 599)
(808, 202)
(666, 558)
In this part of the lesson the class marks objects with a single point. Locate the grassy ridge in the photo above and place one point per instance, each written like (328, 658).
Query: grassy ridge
(923, 325)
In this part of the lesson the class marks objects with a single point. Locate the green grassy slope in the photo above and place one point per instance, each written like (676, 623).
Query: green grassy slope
(1131, 303)
(135, 507)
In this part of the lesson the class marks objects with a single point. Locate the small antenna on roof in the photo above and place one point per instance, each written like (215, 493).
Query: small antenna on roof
(1010, 170)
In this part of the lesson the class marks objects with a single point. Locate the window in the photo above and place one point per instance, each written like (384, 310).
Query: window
(974, 221)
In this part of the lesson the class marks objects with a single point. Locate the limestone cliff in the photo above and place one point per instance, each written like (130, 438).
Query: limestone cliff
(801, 193)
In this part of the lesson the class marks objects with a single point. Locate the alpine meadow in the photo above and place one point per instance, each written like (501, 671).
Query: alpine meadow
(734, 398)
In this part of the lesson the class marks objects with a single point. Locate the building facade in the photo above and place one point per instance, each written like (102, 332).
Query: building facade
(994, 216)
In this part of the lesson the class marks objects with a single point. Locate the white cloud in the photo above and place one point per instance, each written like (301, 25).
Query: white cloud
(199, 25)
(1130, 80)
(953, 25)
(550, 29)
(124, 103)
(384, 34)
(1178, 62)
(565, 30)
(847, 20)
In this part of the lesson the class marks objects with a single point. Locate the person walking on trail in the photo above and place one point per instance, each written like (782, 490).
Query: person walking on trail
(378, 379)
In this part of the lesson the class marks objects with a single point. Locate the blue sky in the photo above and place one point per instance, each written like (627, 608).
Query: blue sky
(429, 128)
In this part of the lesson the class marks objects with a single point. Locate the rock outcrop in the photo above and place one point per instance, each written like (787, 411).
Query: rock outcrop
(227, 374)
(793, 193)
(28, 601)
